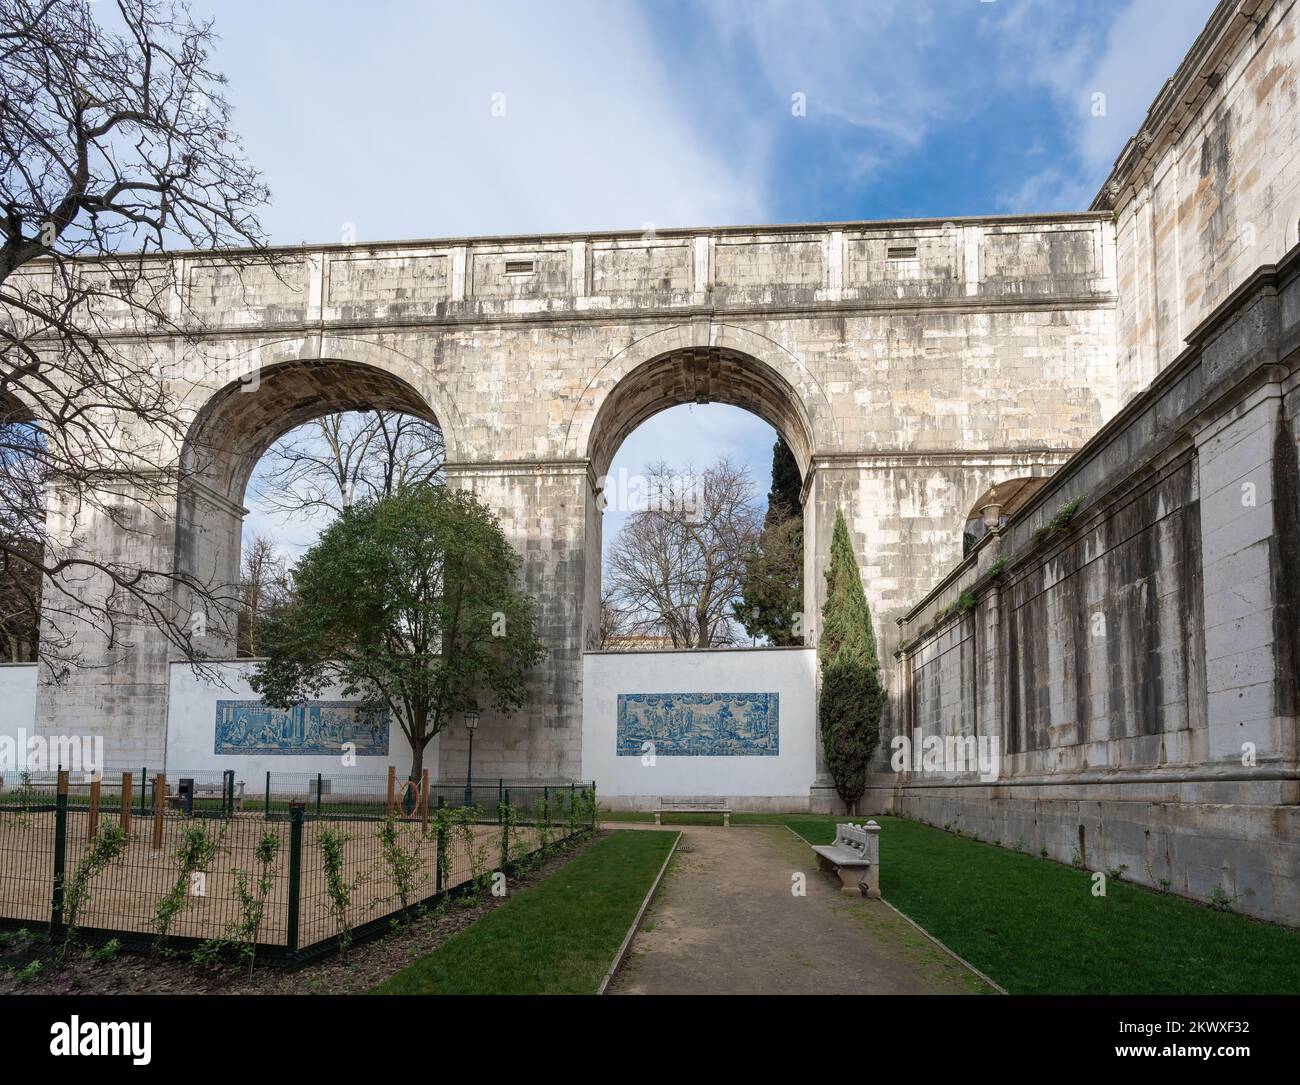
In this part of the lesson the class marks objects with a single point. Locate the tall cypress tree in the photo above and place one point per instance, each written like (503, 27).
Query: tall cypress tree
(787, 485)
(772, 592)
(852, 697)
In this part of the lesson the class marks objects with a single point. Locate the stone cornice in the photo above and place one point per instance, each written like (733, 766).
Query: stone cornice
(658, 314)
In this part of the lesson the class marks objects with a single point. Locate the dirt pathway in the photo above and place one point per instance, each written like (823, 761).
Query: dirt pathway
(725, 921)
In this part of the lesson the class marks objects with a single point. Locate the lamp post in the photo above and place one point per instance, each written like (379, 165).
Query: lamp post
(471, 725)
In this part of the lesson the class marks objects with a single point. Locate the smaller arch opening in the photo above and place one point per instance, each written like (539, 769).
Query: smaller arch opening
(996, 505)
(700, 375)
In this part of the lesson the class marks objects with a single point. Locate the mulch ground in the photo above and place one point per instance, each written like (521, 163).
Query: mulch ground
(356, 970)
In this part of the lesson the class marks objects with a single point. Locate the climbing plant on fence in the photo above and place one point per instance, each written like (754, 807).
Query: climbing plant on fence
(193, 856)
(105, 848)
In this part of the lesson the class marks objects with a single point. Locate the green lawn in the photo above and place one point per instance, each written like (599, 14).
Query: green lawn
(558, 937)
(1036, 928)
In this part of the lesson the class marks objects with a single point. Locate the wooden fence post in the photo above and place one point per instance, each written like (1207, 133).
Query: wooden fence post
(392, 789)
(159, 801)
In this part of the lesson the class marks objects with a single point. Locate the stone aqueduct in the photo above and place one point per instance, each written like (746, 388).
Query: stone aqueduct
(910, 365)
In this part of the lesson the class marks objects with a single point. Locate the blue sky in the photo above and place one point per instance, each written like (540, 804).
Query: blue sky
(619, 114)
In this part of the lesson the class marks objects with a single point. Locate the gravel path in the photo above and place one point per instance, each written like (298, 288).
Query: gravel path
(725, 921)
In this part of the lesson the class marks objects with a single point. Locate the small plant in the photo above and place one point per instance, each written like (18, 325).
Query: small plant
(107, 951)
(1076, 858)
(1060, 521)
(1020, 843)
(965, 603)
(1221, 899)
(209, 952)
(29, 972)
(24, 795)
(512, 847)
(402, 862)
(586, 809)
(1116, 874)
(997, 568)
(16, 938)
(1043, 851)
(337, 888)
(105, 848)
(193, 856)
(252, 902)
(1164, 884)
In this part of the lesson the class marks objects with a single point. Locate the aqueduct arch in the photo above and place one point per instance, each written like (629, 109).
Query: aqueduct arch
(228, 437)
(636, 388)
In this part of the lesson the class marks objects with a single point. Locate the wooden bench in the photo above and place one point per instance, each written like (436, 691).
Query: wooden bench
(694, 806)
(855, 857)
(205, 791)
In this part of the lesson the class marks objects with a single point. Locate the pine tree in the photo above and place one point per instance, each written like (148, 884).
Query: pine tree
(852, 697)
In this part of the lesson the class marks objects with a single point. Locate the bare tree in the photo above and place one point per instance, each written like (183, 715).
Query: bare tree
(116, 146)
(678, 566)
(263, 586)
(615, 621)
(340, 459)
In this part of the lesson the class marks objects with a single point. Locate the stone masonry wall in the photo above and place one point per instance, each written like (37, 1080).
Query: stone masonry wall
(1136, 661)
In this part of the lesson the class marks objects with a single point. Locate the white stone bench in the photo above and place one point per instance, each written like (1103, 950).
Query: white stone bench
(855, 857)
(694, 806)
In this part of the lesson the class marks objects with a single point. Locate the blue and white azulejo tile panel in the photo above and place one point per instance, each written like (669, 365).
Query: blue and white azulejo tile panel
(317, 727)
(699, 724)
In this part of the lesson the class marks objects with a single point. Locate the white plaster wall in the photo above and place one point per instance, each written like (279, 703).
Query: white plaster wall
(750, 782)
(17, 708)
(191, 726)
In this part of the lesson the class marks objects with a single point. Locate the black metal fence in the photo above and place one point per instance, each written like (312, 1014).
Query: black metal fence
(194, 864)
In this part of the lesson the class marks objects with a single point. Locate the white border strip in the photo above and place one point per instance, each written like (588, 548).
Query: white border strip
(955, 956)
(636, 923)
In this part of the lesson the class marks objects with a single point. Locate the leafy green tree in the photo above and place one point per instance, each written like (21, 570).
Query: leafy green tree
(771, 602)
(852, 697)
(409, 603)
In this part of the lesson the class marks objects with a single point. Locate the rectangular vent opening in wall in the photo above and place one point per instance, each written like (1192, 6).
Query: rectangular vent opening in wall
(520, 267)
(901, 252)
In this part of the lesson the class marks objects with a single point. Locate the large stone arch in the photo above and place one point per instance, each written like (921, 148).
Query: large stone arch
(700, 362)
(286, 384)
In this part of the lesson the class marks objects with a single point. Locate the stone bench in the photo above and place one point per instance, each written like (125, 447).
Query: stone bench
(855, 857)
(694, 806)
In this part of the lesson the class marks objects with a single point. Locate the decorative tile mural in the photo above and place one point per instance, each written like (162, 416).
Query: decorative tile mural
(317, 727)
(699, 724)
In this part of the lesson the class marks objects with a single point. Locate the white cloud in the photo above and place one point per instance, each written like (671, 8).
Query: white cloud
(1106, 91)
(381, 116)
